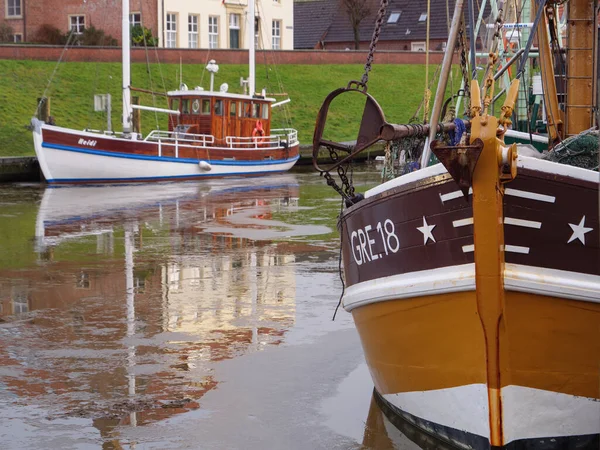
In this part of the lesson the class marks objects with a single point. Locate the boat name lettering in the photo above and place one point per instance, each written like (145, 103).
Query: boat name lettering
(90, 142)
(362, 242)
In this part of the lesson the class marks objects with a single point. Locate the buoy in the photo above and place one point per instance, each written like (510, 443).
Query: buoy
(204, 166)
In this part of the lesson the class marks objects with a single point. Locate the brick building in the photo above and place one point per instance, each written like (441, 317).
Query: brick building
(27, 17)
(176, 23)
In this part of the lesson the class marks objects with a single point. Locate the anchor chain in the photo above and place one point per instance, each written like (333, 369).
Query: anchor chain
(347, 189)
(374, 39)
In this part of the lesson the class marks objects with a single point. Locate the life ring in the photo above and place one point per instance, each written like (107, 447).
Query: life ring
(258, 133)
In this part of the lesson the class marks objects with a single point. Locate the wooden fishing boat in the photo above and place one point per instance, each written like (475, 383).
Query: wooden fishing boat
(210, 134)
(480, 319)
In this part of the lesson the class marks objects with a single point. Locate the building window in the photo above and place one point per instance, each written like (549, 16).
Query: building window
(13, 8)
(171, 31)
(17, 37)
(423, 17)
(234, 31)
(192, 31)
(417, 46)
(276, 36)
(394, 17)
(213, 32)
(77, 24)
(135, 19)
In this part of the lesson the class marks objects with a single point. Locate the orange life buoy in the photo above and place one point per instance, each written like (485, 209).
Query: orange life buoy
(259, 133)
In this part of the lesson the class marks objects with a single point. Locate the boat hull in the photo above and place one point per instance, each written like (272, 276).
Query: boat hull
(413, 284)
(69, 156)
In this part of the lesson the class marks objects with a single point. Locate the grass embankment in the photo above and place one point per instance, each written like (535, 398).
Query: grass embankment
(397, 88)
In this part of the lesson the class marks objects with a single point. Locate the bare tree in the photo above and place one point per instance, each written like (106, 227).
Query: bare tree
(357, 10)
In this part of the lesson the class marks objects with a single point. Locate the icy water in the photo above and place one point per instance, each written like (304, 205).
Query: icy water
(180, 315)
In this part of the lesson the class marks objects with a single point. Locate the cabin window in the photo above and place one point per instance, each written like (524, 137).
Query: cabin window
(218, 107)
(196, 106)
(175, 104)
(232, 107)
(206, 106)
(185, 106)
(265, 111)
(246, 109)
(255, 110)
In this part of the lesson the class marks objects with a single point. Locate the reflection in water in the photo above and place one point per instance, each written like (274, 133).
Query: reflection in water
(131, 299)
(117, 303)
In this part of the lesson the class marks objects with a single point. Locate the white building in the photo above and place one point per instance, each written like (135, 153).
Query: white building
(224, 24)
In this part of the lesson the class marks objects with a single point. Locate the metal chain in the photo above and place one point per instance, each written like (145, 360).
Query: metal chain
(347, 189)
(378, 23)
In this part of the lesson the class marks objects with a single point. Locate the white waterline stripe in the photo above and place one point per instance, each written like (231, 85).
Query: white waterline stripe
(522, 223)
(468, 248)
(530, 195)
(516, 249)
(453, 195)
(462, 222)
(530, 413)
(462, 408)
(442, 280)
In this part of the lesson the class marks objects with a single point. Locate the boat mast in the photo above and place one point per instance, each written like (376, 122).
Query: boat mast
(125, 62)
(443, 80)
(251, 49)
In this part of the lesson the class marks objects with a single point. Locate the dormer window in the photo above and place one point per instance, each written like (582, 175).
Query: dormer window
(394, 17)
(423, 17)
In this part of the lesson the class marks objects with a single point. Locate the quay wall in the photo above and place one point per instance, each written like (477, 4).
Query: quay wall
(221, 56)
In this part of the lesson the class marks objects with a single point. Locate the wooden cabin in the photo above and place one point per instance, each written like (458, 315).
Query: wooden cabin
(219, 114)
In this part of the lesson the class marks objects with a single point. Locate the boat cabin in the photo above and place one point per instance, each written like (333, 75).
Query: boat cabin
(220, 115)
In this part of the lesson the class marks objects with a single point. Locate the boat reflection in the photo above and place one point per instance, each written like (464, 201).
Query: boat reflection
(138, 289)
(387, 431)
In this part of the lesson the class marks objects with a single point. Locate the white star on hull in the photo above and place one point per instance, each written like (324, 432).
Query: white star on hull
(579, 231)
(427, 231)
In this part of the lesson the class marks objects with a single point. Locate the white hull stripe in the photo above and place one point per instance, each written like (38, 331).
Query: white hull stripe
(552, 282)
(535, 280)
(425, 282)
(522, 223)
(462, 222)
(231, 162)
(527, 413)
(516, 249)
(530, 195)
(452, 195)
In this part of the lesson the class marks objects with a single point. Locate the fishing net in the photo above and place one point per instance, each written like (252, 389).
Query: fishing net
(579, 151)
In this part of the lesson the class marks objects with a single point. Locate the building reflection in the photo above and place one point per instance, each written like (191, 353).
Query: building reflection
(131, 299)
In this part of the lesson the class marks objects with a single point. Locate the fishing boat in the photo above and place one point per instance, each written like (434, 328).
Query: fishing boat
(474, 282)
(210, 134)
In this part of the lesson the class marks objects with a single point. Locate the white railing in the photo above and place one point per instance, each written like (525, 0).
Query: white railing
(183, 138)
(279, 138)
(289, 134)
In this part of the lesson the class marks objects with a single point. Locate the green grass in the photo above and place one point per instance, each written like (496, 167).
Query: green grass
(397, 88)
